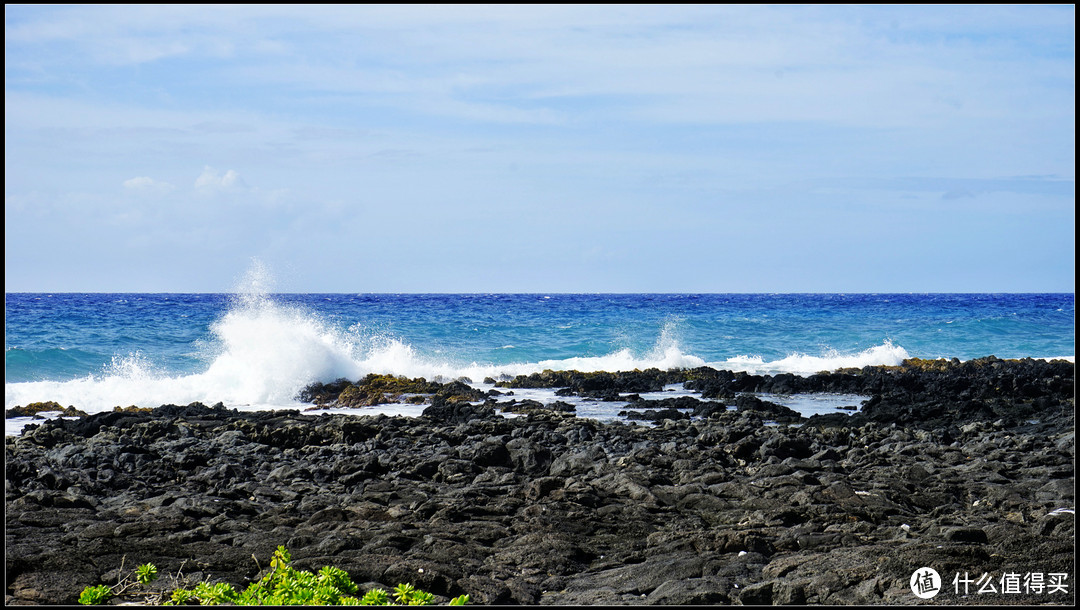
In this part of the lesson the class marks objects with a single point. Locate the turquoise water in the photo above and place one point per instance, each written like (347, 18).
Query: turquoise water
(97, 351)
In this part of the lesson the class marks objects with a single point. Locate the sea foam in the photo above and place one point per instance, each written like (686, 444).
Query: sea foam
(887, 354)
(261, 352)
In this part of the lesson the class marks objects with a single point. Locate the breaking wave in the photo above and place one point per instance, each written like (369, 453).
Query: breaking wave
(261, 352)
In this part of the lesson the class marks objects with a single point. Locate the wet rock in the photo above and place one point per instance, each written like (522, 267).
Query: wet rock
(654, 415)
(458, 412)
(770, 410)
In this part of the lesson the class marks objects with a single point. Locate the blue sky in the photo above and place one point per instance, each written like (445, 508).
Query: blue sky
(540, 148)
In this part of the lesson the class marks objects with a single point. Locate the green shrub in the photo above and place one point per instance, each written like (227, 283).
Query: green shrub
(145, 573)
(283, 585)
(98, 594)
(101, 594)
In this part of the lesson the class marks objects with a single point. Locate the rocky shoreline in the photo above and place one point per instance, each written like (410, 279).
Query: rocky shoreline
(967, 468)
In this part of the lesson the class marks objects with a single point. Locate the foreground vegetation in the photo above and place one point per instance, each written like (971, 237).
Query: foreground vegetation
(282, 586)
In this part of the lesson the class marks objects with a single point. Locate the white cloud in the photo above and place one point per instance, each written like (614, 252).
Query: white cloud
(527, 113)
(211, 179)
(145, 184)
(211, 182)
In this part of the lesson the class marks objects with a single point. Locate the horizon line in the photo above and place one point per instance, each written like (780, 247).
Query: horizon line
(548, 293)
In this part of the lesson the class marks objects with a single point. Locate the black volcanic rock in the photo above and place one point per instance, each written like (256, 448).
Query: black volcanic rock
(960, 466)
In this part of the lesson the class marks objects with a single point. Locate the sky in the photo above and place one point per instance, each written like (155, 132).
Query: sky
(377, 148)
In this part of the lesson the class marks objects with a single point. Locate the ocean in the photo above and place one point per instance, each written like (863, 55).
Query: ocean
(256, 350)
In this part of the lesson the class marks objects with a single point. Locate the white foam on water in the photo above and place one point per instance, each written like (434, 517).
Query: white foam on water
(822, 403)
(261, 353)
(887, 354)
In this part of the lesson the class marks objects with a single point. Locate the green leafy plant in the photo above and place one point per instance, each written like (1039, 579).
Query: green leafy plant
(97, 594)
(408, 595)
(375, 597)
(285, 585)
(146, 573)
(282, 585)
(101, 594)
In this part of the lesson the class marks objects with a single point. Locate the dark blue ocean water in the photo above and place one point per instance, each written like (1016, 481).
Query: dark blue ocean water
(96, 351)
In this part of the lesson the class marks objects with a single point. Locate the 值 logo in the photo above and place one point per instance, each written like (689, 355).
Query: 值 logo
(925, 583)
